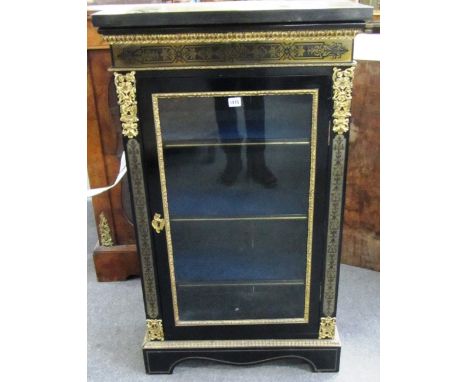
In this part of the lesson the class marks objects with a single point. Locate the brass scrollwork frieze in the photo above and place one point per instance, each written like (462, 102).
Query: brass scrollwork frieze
(126, 95)
(242, 49)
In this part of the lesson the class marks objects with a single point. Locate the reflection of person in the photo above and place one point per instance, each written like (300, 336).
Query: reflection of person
(226, 118)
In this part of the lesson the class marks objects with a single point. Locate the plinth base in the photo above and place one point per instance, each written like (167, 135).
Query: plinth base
(116, 263)
(162, 356)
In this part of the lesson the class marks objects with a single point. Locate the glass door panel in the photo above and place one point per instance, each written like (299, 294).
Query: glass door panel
(237, 176)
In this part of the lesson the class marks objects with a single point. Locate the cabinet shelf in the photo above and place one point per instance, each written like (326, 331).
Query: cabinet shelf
(251, 283)
(240, 218)
(175, 144)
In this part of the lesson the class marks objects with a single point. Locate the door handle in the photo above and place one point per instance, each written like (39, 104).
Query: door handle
(158, 223)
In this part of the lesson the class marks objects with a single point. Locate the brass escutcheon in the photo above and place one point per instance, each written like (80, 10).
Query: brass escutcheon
(158, 223)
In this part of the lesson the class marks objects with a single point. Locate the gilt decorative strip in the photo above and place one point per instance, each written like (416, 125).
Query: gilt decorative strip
(342, 95)
(334, 223)
(220, 344)
(142, 227)
(126, 95)
(190, 38)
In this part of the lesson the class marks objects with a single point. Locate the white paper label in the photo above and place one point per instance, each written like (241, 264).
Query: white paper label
(235, 101)
(122, 172)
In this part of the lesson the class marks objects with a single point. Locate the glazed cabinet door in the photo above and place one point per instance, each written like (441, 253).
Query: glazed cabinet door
(235, 167)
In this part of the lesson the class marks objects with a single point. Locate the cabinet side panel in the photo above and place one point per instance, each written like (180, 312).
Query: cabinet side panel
(142, 227)
(334, 224)
(342, 95)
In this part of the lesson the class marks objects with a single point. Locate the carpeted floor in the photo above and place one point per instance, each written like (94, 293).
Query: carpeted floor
(116, 326)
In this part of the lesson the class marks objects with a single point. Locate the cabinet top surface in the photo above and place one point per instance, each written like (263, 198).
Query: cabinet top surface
(232, 12)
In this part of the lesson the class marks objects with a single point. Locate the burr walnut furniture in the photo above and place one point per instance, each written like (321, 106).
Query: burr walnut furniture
(235, 124)
(115, 257)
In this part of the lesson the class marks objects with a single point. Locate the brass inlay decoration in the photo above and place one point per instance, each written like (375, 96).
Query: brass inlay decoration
(219, 344)
(104, 231)
(334, 223)
(126, 95)
(158, 223)
(170, 251)
(242, 48)
(155, 330)
(142, 227)
(342, 94)
(327, 327)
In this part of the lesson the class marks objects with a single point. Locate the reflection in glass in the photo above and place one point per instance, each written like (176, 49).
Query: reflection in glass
(254, 110)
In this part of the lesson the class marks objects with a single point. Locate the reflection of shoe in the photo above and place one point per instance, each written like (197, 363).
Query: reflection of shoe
(230, 173)
(263, 175)
(233, 166)
(258, 170)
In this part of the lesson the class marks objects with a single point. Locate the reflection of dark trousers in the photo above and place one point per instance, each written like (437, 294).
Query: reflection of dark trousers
(226, 118)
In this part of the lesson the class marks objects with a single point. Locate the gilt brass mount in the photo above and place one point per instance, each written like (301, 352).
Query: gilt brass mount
(105, 231)
(327, 327)
(342, 95)
(126, 95)
(158, 223)
(155, 330)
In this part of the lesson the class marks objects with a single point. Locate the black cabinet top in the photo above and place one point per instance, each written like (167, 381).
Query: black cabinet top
(232, 12)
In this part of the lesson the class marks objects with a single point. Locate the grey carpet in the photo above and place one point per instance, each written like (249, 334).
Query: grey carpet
(116, 326)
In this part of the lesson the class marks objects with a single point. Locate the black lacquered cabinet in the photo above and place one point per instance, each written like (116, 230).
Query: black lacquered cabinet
(236, 137)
